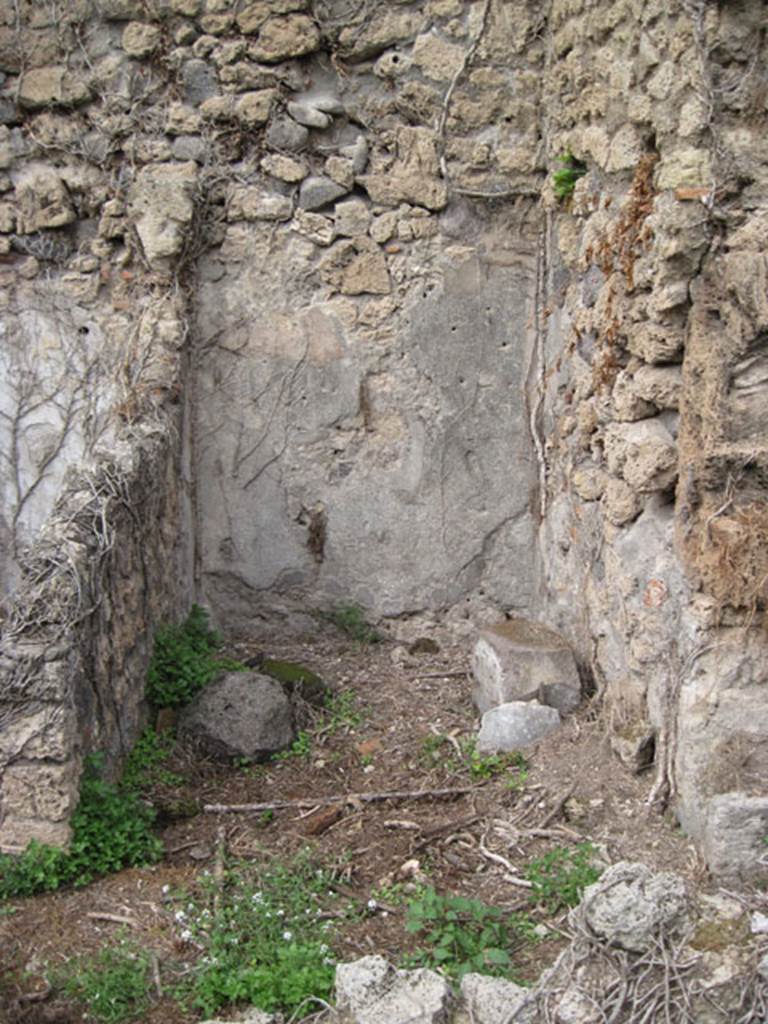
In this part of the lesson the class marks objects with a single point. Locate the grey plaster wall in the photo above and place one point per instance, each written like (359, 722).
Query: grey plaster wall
(360, 450)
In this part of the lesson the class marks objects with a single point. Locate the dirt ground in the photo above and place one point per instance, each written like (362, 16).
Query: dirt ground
(407, 692)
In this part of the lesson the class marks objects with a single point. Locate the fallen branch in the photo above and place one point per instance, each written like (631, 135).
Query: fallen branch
(96, 915)
(365, 798)
(559, 805)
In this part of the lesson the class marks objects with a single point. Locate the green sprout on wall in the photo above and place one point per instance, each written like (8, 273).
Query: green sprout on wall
(564, 180)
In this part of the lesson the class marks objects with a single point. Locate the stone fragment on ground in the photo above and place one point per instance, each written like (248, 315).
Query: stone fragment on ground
(630, 905)
(242, 714)
(520, 660)
(514, 725)
(494, 1000)
(371, 991)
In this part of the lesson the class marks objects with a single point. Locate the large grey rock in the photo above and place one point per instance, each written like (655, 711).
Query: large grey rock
(494, 1000)
(523, 660)
(371, 991)
(514, 725)
(630, 905)
(242, 714)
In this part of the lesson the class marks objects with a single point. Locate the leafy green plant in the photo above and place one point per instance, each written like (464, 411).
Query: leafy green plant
(350, 619)
(263, 936)
(561, 875)
(464, 935)
(113, 985)
(564, 180)
(341, 712)
(185, 660)
(301, 747)
(485, 766)
(111, 829)
(144, 767)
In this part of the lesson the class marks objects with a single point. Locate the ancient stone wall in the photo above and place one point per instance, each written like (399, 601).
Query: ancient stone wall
(656, 397)
(415, 378)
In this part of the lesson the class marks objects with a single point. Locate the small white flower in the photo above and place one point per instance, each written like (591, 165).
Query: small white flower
(372, 904)
(287, 936)
(180, 916)
(165, 890)
(185, 935)
(323, 948)
(281, 913)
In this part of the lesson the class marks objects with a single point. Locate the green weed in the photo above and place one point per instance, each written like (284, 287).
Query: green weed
(464, 935)
(561, 875)
(111, 829)
(264, 940)
(564, 180)
(301, 748)
(485, 766)
(341, 712)
(144, 767)
(113, 985)
(185, 660)
(350, 619)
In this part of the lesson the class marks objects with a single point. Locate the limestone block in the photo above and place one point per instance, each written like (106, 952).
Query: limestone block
(386, 27)
(242, 714)
(252, 14)
(187, 8)
(253, 108)
(643, 453)
(626, 149)
(654, 343)
(251, 202)
(281, 38)
(352, 217)
(436, 57)
(356, 267)
(357, 152)
(414, 177)
(620, 503)
(392, 64)
(189, 147)
(140, 39)
(514, 725)
(589, 482)
(684, 166)
(734, 835)
(317, 191)
(314, 226)
(7, 217)
(628, 404)
(43, 201)
(384, 227)
(370, 991)
(630, 905)
(511, 661)
(284, 168)
(494, 1000)
(161, 206)
(308, 115)
(340, 170)
(39, 791)
(660, 385)
(52, 86)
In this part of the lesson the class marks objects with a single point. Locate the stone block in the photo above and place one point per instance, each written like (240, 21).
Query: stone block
(643, 453)
(511, 661)
(250, 202)
(52, 86)
(43, 202)
(284, 133)
(516, 724)
(161, 205)
(284, 168)
(47, 792)
(140, 39)
(281, 38)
